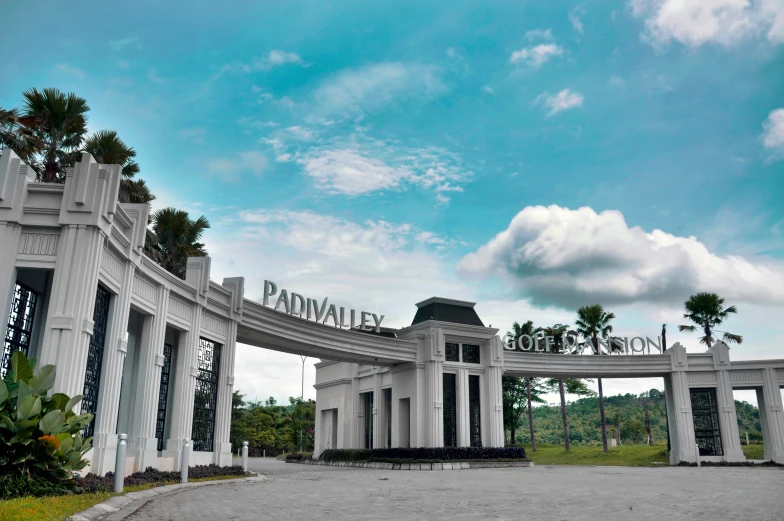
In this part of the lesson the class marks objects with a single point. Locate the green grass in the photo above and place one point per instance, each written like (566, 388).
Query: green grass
(754, 451)
(624, 456)
(58, 508)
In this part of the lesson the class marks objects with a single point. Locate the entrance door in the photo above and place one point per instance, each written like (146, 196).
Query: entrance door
(367, 407)
(706, 422)
(404, 415)
(450, 410)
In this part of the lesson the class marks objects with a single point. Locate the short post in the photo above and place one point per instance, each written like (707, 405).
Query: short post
(747, 437)
(697, 452)
(264, 453)
(119, 463)
(245, 456)
(186, 454)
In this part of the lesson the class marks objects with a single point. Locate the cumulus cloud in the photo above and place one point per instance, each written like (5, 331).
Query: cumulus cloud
(374, 87)
(555, 103)
(539, 34)
(349, 172)
(773, 133)
(571, 257)
(231, 168)
(698, 22)
(537, 55)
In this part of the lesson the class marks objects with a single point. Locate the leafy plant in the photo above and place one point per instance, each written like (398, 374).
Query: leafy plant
(39, 434)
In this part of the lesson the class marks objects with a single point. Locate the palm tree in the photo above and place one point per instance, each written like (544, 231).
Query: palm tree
(174, 238)
(58, 122)
(707, 311)
(557, 331)
(593, 321)
(106, 147)
(518, 330)
(16, 134)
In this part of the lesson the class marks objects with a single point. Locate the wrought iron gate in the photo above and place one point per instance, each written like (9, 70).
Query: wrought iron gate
(707, 431)
(475, 411)
(450, 410)
(163, 394)
(206, 397)
(20, 325)
(367, 406)
(92, 375)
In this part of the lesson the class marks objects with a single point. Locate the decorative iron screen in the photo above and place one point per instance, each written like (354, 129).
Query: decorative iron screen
(92, 375)
(368, 412)
(706, 422)
(452, 352)
(163, 394)
(450, 410)
(206, 398)
(20, 325)
(470, 354)
(388, 414)
(474, 411)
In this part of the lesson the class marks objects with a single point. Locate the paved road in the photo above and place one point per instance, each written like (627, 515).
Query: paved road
(306, 492)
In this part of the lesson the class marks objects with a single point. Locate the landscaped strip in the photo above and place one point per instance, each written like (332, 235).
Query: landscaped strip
(453, 465)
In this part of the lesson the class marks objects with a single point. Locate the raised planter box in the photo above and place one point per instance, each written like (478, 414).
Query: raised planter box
(455, 465)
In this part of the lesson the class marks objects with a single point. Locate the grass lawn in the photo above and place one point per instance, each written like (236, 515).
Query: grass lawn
(626, 455)
(58, 508)
(754, 451)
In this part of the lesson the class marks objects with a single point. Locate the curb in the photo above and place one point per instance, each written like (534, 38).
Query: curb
(119, 507)
(456, 465)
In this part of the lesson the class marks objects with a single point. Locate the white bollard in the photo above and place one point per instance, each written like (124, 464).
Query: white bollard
(245, 456)
(264, 453)
(186, 454)
(697, 452)
(119, 463)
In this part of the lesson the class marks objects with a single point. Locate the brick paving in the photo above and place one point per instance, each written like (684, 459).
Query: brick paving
(305, 492)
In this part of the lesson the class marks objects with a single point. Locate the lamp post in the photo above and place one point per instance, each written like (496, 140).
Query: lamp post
(301, 402)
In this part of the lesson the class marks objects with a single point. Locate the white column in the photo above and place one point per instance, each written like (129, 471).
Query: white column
(142, 443)
(496, 412)
(728, 419)
(222, 450)
(184, 388)
(69, 322)
(378, 407)
(463, 412)
(434, 412)
(771, 416)
(13, 187)
(682, 422)
(115, 349)
(9, 238)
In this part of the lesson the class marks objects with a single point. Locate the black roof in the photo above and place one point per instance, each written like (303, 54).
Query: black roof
(447, 310)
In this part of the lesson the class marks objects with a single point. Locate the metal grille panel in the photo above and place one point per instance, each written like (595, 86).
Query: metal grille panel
(470, 354)
(452, 352)
(450, 410)
(368, 412)
(163, 394)
(206, 398)
(706, 422)
(474, 411)
(20, 325)
(92, 375)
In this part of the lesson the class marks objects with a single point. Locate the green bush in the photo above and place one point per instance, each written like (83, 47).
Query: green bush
(426, 454)
(298, 456)
(346, 455)
(40, 444)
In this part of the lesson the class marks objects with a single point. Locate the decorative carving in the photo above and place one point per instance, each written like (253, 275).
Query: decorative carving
(215, 324)
(745, 376)
(707, 377)
(39, 244)
(143, 289)
(180, 309)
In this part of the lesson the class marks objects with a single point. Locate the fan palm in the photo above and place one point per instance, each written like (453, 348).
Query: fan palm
(707, 311)
(16, 133)
(176, 237)
(58, 122)
(593, 321)
(106, 147)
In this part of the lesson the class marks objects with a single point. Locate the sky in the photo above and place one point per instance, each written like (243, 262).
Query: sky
(529, 156)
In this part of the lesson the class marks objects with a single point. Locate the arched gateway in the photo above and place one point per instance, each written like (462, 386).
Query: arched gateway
(154, 355)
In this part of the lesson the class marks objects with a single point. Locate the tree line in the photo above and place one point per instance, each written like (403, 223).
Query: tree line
(705, 311)
(271, 428)
(49, 133)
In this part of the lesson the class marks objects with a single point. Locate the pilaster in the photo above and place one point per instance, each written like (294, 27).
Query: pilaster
(378, 407)
(9, 238)
(463, 414)
(678, 397)
(771, 416)
(494, 395)
(222, 452)
(434, 419)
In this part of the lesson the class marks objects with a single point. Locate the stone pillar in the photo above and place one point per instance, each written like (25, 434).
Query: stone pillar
(463, 413)
(9, 238)
(725, 403)
(378, 408)
(771, 416)
(496, 412)
(13, 186)
(142, 443)
(115, 349)
(222, 450)
(434, 396)
(676, 388)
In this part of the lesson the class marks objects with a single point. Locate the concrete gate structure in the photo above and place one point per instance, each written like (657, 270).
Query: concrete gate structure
(154, 354)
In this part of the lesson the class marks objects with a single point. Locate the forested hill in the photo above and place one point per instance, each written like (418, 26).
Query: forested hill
(584, 424)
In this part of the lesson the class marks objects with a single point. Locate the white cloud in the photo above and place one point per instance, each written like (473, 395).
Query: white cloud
(487, 89)
(230, 169)
(374, 87)
(773, 133)
(274, 58)
(152, 75)
(539, 34)
(122, 43)
(698, 22)
(349, 172)
(574, 19)
(564, 100)
(571, 257)
(537, 55)
(195, 134)
(123, 64)
(71, 71)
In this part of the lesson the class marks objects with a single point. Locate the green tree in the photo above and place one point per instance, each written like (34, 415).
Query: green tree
(107, 148)
(176, 237)
(572, 386)
(516, 393)
(518, 330)
(707, 311)
(593, 321)
(16, 133)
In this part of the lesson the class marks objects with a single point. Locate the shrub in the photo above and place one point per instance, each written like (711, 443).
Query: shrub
(426, 453)
(298, 456)
(40, 444)
(94, 483)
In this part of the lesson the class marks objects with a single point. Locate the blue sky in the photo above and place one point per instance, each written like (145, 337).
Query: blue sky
(374, 152)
